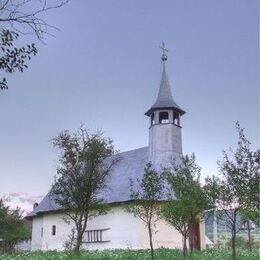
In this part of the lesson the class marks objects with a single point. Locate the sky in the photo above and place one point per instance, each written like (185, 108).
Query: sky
(103, 68)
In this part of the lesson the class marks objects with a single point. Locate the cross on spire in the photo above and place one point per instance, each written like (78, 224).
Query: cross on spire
(164, 50)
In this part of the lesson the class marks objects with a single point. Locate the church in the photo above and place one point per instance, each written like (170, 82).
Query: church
(119, 229)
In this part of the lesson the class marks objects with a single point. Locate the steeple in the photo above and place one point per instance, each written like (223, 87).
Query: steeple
(164, 98)
(165, 141)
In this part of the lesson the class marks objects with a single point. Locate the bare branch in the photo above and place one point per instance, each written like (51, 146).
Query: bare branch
(16, 14)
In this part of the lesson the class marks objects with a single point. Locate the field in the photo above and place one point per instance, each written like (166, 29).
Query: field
(162, 254)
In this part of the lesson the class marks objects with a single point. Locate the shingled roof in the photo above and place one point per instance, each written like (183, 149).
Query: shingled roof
(131, 165)
(164, 98)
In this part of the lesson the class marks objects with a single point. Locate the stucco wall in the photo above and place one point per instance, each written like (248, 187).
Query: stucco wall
(164, 144)
(163, 236)
(202, 234)
(36, 233)
(50, 242)
(122, 231)
(125, 231)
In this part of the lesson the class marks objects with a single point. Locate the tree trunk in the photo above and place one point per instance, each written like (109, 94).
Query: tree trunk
(191, 240)
(78, 244)
(233, 245)
(151, 240)
(184, 249)
(78, 241)
(233, 233)
(80, 231)
(249, 236)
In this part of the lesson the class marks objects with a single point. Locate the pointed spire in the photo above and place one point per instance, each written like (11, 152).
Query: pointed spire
(164, 98)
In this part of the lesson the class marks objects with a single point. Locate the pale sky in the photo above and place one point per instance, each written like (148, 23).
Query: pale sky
(103, 69)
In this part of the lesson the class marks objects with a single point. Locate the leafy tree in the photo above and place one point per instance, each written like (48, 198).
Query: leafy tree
(224, 196)
(187, 199)
(82, 173)
(19, 18)
(13, 228)
(236, 192)
(145, 199)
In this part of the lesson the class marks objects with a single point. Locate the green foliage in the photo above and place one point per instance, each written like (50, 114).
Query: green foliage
(256, 244)
(82, 173)
(13, 228)
(12, 58)
(241, 176)
(145, 200)
(240, 242)
(19, 18)
(188, 199)
(160, 254)
(237, 189)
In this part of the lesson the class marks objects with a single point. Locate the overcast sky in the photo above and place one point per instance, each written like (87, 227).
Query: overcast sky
(103, 69)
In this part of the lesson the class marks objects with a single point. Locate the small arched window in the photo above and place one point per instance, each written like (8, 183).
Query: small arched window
(176, 118)
(152, 120)
(163, 117)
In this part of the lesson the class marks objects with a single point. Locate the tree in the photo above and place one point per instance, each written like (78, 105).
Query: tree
(145, 199)
(83, 170)
(13, 228)
(236, 192)
(22, 17)
(187, 199)
(224, 197)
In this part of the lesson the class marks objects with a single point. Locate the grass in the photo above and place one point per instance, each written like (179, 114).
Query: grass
(160, 254)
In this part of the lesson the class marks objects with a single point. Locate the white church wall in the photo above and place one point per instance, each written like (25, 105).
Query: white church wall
(123, 231)
(164, 144)
(63, 229)
(166, 236)
(36, 233)
(203, 234)
(163, 236)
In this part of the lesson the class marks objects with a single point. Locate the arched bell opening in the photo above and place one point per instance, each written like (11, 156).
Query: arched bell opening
(152, 119)
(176, 118)
(164, 118)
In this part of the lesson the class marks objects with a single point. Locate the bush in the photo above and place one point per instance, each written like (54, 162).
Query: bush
(13, 228)
(240, 242)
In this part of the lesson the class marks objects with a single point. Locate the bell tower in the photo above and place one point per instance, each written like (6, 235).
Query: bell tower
(165, 141)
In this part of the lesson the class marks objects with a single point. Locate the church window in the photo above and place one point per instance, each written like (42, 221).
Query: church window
(163, 117)
(53, 230)
(95, 236)
(176, 118)
(152, 120)
(41, 232)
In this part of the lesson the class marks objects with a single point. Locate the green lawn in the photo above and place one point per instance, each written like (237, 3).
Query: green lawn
(162, 254)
